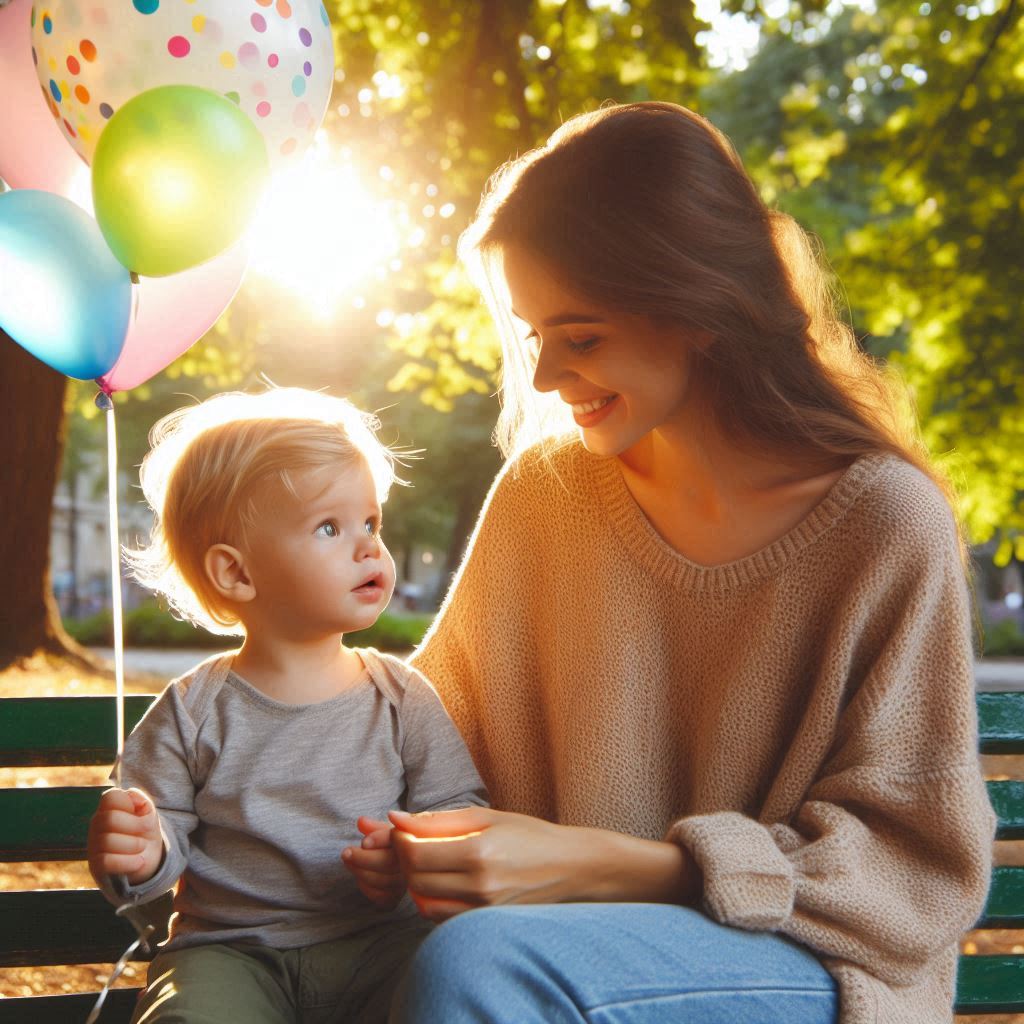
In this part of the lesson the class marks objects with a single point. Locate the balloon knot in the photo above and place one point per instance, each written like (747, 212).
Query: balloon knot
(104, 402)
(133, 276)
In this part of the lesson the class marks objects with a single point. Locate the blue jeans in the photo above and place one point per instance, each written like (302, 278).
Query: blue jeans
(609, 963)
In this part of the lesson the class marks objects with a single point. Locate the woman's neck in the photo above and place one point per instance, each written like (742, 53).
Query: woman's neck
(715, 502)
(692, 461)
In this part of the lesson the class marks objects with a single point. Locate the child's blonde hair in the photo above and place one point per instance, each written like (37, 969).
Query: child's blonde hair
(203, 470)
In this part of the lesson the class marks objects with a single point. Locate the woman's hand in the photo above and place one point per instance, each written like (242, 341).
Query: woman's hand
(374, 864)
(456, 860)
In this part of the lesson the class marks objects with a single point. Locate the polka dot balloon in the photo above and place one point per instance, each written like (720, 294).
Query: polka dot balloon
(274, 58)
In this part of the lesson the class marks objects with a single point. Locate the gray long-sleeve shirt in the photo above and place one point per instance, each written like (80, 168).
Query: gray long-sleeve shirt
(258, 798)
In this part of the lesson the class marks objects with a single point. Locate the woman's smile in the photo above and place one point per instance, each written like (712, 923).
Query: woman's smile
(589, 414)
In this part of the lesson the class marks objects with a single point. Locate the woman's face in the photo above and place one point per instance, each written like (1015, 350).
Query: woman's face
(623, 375)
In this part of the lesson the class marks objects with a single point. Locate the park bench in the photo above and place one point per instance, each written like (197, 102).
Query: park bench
(74, 926)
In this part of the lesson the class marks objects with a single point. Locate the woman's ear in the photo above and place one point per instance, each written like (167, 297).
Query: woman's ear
(225, 569)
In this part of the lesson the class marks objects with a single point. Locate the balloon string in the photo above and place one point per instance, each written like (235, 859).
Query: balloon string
(105, 402)
(141, 942)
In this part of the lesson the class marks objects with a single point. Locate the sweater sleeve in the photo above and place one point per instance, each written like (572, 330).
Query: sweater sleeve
(439, 772)
(885, 862)
(157, 760)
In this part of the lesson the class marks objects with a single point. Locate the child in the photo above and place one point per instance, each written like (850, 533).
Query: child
(251, 772)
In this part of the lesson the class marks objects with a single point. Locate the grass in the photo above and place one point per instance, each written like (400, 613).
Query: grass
(46, 677)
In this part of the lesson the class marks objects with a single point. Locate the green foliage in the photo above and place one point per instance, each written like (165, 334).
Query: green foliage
(890, 134)
(393, 632)
(145, 626)
(1005, 639)
(149, 625)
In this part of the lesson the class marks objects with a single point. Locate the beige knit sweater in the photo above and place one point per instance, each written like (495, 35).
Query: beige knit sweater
(801, 720)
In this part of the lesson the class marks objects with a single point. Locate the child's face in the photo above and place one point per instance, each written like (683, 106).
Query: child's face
(317, 562)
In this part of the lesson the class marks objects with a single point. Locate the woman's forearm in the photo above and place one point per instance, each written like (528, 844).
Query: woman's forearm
(487, 857)
(617, 868)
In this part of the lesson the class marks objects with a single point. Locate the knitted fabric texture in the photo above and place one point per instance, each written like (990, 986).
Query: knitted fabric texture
(802, 720)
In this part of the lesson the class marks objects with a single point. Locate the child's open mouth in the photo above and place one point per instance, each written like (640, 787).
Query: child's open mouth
(372, 586)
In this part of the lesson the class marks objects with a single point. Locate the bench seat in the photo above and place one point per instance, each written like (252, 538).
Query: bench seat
(75, 926)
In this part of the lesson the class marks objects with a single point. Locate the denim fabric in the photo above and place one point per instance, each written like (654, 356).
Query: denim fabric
(610, 963)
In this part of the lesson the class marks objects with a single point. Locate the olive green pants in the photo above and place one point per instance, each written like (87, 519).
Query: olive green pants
(344, 981)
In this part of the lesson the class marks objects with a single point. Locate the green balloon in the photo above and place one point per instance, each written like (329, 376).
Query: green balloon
(176, 178)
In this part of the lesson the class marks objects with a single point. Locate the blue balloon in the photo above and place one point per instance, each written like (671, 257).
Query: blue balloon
(63, 295)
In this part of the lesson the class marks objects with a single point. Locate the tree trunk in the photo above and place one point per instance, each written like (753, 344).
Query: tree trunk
(73, 607)
(32, 408)
(466, 512)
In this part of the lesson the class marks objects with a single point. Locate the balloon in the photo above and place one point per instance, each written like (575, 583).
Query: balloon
(33, 153)
(176, 178)
(171, 313)
(274, 58)
(63, 296)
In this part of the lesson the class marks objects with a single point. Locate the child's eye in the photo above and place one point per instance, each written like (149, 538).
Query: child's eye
(371, 527)
(585, 345)
(327, 529)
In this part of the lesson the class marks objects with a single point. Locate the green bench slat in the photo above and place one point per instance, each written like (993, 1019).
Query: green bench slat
(78, 926)
(1001, 723)
(985, 984)
(68, 1009)
(64, 730)
(1008, 802)
(51, 824)
(990, 984)
(81, 730)
(68, 926)
(46, 824)
(1004, 907)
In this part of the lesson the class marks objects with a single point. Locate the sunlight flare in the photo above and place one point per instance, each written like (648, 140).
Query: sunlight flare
(322, 232)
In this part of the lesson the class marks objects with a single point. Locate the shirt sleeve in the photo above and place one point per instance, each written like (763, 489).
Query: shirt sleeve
(439, 772)
(886, 861)
(157, 759)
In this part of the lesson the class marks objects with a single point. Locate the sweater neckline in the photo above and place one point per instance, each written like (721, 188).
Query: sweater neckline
(644, 542)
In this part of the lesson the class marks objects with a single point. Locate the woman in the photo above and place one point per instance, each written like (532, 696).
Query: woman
(711, 654)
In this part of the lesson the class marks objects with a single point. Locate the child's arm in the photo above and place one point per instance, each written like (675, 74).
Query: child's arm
(157, 765)
(124, 837)
(439, 775)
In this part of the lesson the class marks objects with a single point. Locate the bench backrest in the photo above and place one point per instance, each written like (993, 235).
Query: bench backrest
(72, 926)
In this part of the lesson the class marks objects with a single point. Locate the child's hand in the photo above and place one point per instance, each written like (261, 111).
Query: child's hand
(375, 865)
(124, 837)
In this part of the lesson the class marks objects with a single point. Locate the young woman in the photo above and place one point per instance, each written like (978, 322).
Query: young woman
(711, 651)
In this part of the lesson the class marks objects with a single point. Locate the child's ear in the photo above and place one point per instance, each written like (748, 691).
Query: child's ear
(225, 569)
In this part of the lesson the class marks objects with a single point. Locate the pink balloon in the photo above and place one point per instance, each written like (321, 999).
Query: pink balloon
(33, 151)
(172, 313)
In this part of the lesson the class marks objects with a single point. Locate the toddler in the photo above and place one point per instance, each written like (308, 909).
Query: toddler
(251, 773)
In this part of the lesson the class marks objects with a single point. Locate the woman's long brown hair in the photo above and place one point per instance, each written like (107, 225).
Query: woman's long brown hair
(646, 208)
